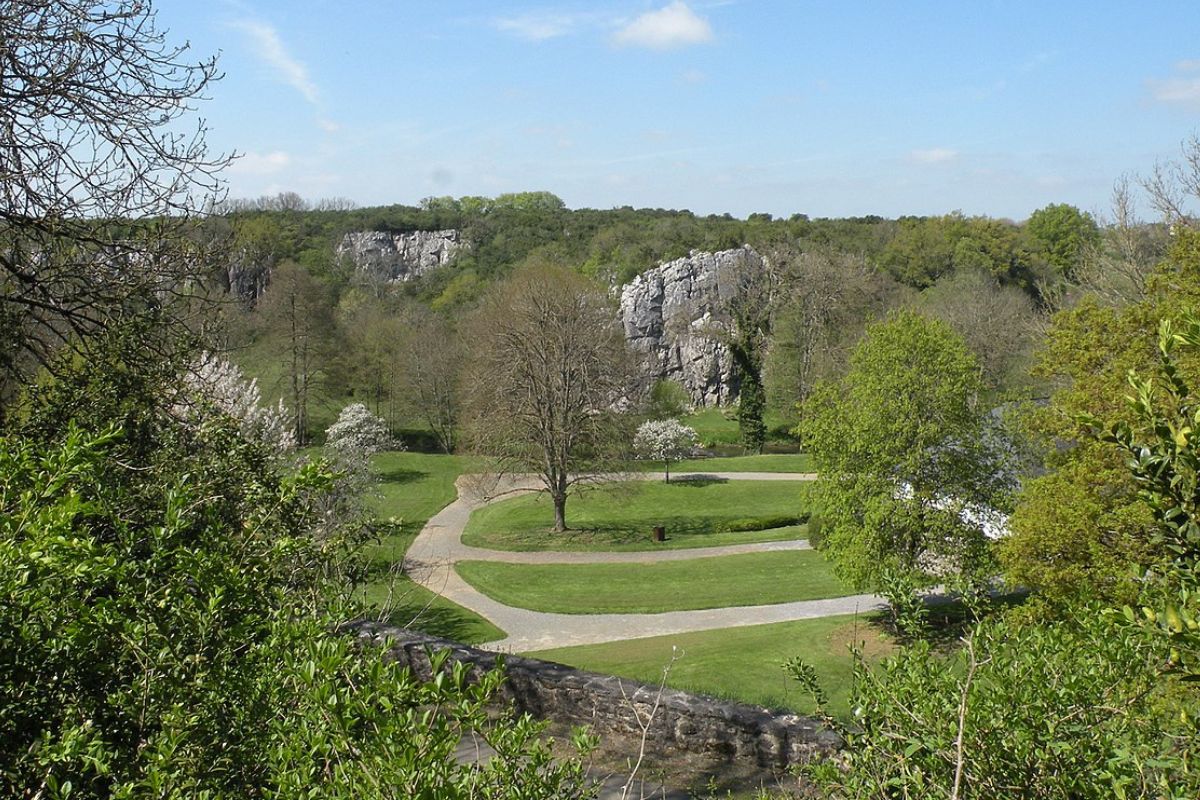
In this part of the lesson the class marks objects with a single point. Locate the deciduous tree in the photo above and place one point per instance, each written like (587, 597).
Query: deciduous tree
(547, 368)
(1062, 235)
(431, 375)
(297, 313)
(907, 466)
(664, 440)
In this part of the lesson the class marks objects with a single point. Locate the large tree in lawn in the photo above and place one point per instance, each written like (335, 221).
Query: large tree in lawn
(905, 455)
(547, 366)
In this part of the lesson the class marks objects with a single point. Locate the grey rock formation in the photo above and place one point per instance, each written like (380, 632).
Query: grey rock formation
(246, 278)
(399, 256)
(674, 315)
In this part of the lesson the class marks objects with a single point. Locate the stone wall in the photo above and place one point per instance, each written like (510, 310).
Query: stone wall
(401, 256)
(683, 722)
(673, 316)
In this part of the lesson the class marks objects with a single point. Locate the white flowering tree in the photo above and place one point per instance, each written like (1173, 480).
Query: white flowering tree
(358, 433)
(350, 441)
(664, 440)
(219, 384)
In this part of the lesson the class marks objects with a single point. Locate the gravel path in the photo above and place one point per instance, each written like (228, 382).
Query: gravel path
(432, 555)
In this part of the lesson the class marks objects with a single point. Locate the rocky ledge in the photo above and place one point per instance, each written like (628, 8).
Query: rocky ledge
(674, 318)
(399, 256)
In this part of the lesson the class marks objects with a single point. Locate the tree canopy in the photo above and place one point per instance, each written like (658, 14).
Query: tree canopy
(547, 368)
(908, 466)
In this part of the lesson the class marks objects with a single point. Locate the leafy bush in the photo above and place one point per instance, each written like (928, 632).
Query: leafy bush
(761, 523)
(1074, 710)
(169, 620)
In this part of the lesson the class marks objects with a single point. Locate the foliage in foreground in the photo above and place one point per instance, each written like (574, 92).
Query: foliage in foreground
(170, 632)
(1074, 710)
(1076, 529)
(1100, 704)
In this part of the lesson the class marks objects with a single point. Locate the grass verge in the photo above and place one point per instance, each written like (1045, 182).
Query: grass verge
(768, 462)
(622, 516)
(744, 664)
(739, 580)
(413, 487)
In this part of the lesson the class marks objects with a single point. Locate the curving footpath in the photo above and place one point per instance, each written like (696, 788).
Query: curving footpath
(438, 547)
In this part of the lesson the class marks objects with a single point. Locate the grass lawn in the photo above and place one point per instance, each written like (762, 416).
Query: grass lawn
(622, 516)
(743, 664)
(718, 427)
(768, 462)
(749, 579)
(413, 487)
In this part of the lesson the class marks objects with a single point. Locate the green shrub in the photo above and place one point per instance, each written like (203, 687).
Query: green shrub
(168, 600)
(817, 527)
(760, 523)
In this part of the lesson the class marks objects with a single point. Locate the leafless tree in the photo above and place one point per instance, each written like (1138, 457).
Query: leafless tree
(547, 366)
(1174, 185)
(999, 323)
(431, 370)
(296, 311)
(100, 180)
(826, 300)
(1118, 267)
(335, 204)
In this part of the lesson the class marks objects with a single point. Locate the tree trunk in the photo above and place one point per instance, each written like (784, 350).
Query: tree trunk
(667, 470)
(560, 512)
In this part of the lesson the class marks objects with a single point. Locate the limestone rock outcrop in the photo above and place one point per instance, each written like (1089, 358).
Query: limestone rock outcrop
(674, 317)
(399, 256)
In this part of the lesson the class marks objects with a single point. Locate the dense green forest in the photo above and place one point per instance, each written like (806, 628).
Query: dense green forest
(994, 281)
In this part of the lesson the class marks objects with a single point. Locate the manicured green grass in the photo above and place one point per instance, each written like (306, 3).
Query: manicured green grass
(413, 487)
(718, 427)
(622, 516)
(768, 462)
(747, 579)
(400, 601)
(713, 426)
(743, 664)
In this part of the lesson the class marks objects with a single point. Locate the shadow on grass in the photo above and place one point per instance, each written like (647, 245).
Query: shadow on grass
(401, 475)
(949, 618)
(448, 623)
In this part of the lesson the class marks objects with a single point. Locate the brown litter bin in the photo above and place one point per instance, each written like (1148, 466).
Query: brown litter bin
(660, 533)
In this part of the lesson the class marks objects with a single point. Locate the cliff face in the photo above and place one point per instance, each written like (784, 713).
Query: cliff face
(674, 317)
(400, 256)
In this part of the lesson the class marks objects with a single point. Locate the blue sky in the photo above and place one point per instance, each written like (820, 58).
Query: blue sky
(824, 108)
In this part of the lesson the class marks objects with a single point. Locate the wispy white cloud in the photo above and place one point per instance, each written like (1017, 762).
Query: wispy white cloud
(674, 25)
(537, 27)
(693, 76)
(1183, 89)
(934, 155)
(1176, 91)
(261, 163)
(270, 48)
